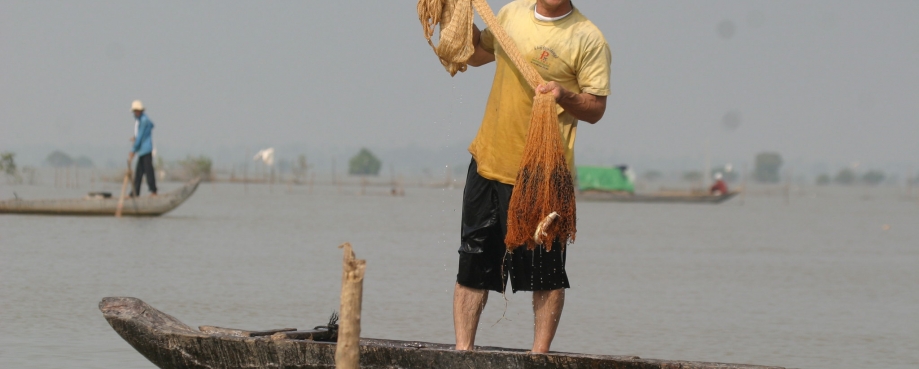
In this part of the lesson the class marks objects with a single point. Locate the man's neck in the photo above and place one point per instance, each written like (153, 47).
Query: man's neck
(551, 12)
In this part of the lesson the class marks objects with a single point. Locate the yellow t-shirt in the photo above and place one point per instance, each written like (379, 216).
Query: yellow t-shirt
(570, 51)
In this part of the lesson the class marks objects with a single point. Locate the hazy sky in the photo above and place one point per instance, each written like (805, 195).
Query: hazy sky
(828, 81)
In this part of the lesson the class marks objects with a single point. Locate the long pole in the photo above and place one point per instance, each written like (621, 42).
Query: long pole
(124, 184)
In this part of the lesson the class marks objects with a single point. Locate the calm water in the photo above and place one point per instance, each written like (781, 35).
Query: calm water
(828, 280)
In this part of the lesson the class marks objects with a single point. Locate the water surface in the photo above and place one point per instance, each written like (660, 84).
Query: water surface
(827, 280)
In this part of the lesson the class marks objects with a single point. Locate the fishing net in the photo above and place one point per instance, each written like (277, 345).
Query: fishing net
(542, 206)
(455, 19)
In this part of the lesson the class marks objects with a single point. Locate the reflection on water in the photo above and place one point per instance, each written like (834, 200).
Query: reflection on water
(828, 280)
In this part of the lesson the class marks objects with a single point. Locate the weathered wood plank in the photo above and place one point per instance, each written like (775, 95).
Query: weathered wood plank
(241, 333)
(324, 335)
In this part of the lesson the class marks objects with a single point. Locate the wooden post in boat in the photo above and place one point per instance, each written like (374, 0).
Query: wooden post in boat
(347, 351)
(124, 183)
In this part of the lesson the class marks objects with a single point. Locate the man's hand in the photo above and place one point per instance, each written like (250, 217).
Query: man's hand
(131, 156)
(555, 89)
(480, 57)
(583, 106)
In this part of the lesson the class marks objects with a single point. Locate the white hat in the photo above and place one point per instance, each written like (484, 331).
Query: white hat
(137, 105)
(718, 175)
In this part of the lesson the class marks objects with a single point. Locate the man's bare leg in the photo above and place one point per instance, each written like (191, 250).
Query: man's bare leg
(547, 311)
(468, 304)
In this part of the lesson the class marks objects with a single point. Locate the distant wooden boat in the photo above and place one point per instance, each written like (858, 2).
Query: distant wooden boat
(100, 204)
(660, 197)
(169, 343)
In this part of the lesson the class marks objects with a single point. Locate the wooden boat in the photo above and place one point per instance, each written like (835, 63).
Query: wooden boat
(169, 344)
(97, 204)
(614, 184)
(660, 197)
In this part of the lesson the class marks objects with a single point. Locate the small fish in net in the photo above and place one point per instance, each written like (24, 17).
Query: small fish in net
(544, 184)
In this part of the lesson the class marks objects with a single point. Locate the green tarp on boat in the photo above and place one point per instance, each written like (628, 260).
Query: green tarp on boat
(603, 179)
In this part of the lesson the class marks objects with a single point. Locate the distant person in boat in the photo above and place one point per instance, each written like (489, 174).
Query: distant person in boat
(719, 187)
(143, 148)
(574, 58)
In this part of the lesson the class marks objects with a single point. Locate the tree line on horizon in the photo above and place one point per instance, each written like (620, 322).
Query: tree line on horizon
(767, 170)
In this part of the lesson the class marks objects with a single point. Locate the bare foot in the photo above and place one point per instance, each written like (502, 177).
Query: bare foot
(153, 194)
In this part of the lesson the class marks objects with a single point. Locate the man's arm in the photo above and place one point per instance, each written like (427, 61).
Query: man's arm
(480, 56)
(135, 143)
(584, 106)
(143, 130)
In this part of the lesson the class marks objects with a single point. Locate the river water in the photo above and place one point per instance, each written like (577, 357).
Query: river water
(827, 279)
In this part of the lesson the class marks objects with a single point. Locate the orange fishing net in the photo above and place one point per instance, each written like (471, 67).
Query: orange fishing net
(542, 206)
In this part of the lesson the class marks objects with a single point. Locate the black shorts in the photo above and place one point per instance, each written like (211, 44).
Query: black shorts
(484, 262)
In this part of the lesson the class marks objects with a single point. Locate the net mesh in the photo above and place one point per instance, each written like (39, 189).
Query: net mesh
(544, 184)
(455, 19)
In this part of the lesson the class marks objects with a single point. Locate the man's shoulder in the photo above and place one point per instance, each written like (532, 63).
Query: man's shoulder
(586, 27)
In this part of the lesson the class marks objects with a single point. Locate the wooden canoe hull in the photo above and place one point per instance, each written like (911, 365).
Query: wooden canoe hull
(139, 206)
(170, 344)
(686, 198)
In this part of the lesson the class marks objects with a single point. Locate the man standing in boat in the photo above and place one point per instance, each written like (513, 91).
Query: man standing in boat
(143, 146)
(572, 55)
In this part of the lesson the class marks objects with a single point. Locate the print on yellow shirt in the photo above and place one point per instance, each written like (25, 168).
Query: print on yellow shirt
(570, 51)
